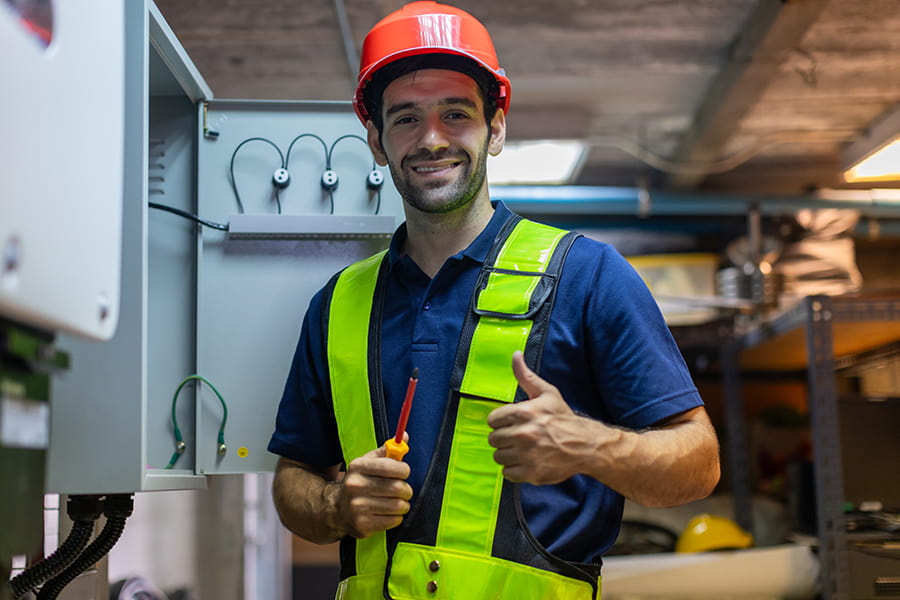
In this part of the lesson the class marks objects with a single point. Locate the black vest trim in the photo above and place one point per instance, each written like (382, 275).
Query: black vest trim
(376, 384)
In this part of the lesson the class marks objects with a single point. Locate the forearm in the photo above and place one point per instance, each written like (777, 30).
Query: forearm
(541, 441)
(307, 501)
(656, 467)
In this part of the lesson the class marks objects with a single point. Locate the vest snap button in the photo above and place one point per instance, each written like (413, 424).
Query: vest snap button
(434, 566)
(432, 586)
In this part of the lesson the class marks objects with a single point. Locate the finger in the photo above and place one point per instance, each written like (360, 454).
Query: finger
(390, 488)
(383, 523)
(516, 474)
(376, 464)
(507, 457)
(370, 517)
(502, 436)
(365, 527)
(360, 485)
(505, 416)
(379, 507)
(529, 381)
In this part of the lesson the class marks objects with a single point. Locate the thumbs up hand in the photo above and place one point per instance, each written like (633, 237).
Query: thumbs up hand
(539, 441)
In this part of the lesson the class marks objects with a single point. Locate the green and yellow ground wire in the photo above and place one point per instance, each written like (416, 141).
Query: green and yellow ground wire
(179, 442)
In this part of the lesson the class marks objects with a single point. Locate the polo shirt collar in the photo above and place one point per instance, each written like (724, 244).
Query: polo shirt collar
(477, 250)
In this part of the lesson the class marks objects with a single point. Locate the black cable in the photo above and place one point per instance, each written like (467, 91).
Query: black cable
(283, 165)
(328, 161)
(51, 566)
(324, 149)
(314, 136)
(117, 508)
(84, 511)
(187, 215)
(344, 137)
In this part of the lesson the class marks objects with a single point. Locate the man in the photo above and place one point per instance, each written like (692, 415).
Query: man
(496, 499)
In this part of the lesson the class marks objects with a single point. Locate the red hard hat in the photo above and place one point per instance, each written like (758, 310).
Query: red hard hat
(427, 27)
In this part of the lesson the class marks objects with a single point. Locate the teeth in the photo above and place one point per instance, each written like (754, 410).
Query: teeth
(431, 169)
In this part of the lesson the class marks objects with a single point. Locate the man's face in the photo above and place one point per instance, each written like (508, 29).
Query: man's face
(435, 139)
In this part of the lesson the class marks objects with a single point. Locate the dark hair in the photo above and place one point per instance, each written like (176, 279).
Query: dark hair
(374, 90)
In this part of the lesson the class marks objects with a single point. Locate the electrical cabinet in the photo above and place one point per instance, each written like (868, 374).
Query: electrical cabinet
(851, 434)
(199, 300)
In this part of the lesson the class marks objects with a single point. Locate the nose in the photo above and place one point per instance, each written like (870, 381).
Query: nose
(434, 134)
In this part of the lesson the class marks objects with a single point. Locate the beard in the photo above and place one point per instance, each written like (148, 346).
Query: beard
(442, 196)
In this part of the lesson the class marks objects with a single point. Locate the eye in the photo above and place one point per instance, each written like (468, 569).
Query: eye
(404, 120)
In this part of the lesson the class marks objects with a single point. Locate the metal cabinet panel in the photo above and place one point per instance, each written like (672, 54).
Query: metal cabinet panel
(253, 289)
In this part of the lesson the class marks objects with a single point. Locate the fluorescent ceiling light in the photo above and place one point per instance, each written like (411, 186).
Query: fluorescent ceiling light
(537, 162)
(868, 158)
(883, 165)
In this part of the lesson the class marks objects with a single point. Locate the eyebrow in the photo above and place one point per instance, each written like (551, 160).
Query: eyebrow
(462, 100)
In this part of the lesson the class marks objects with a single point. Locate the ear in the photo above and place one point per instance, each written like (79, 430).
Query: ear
(375, 144)
(498, 133)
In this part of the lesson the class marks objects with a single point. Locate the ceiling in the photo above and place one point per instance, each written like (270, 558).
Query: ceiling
(744, 96)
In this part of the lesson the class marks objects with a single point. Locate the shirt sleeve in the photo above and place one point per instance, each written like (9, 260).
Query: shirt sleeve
(305, 428)
(643, 377)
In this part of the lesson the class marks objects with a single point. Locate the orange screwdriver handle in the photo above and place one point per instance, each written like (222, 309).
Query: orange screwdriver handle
(396, 450)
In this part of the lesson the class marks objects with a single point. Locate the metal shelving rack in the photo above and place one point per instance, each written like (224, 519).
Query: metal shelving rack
(811, 334)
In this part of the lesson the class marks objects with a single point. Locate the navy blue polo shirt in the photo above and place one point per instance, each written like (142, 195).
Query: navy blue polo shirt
(608, 350)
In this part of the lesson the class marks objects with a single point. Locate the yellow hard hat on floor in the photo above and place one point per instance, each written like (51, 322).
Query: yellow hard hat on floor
(708, 532)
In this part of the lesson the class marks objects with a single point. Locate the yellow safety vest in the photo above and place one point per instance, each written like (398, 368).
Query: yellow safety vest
(465, 536)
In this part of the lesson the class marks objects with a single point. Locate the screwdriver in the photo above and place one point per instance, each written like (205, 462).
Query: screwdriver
(396, 447)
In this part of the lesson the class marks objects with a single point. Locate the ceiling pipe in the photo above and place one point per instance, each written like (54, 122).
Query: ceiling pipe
(632, 201)
(347, 38)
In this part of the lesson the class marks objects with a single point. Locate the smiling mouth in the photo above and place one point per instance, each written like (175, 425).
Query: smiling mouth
(436, 169)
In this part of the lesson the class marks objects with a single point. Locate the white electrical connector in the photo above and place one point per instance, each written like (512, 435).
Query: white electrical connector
(281, 178)
(375, 180)
(329, 180)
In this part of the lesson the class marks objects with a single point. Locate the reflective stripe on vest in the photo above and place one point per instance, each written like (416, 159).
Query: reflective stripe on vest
(474, 479)
(348, 325)
(461, 563)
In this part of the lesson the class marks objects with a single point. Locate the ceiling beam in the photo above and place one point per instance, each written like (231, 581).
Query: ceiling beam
(773, 29)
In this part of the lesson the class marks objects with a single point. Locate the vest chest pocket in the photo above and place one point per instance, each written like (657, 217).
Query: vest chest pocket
(508, 294)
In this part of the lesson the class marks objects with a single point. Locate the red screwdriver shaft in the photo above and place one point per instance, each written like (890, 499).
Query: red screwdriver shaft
(407, 406)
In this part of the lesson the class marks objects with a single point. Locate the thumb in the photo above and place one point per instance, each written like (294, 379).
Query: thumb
(381, 451)
(528, 380)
